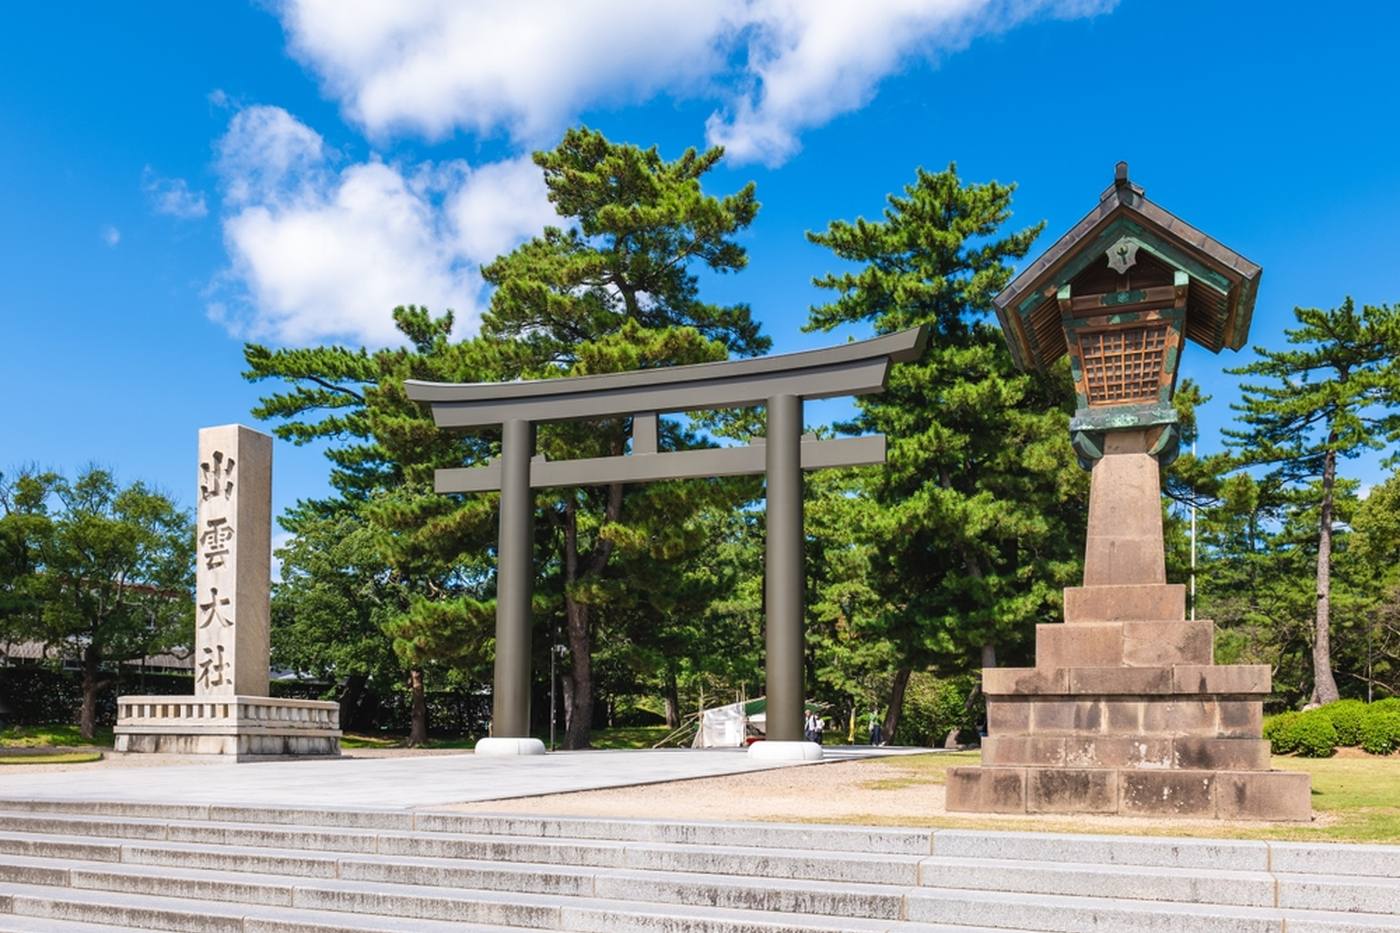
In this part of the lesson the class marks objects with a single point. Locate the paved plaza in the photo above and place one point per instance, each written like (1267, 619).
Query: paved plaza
(424, 781)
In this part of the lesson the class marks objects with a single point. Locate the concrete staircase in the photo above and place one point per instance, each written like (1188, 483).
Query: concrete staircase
(82, 865)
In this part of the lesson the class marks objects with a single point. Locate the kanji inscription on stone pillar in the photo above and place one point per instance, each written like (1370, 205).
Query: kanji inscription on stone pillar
(233, 557)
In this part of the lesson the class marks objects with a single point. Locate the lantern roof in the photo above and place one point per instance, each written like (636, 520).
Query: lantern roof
(1121, 252)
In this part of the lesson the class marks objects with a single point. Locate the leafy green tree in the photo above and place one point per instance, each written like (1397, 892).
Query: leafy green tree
(25, 527)
(1371, 567)
(332, 604)
(432, 590)
(113, 578)
(614, 291)
(1334, 394)
(977, 519)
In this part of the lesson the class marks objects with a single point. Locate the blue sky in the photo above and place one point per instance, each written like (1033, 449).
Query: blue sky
(176, 177)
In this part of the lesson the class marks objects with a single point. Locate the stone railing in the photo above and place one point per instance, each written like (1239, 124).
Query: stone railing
(240, 712)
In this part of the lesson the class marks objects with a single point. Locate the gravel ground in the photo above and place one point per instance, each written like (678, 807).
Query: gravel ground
(872, 792)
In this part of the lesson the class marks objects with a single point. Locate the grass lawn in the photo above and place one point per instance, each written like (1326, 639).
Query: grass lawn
(61, 758)
(61, 736)
(1356, 797)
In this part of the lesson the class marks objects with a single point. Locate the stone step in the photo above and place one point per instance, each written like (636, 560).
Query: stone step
(176, 874)
(894, 841)
(52, 908)
(417, 911)
(1186, 871)
(10, 923)
(772, 862)
(1070, 914)
(1186, 886)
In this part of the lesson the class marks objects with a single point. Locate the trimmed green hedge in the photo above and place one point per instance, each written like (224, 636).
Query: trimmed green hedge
(1346, 717)
(1380, 732)
(1316, 733)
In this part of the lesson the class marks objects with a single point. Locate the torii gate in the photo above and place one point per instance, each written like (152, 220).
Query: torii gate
(778, 382)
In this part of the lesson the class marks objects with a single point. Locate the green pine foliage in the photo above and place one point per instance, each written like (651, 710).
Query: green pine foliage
(976, 523)
(1332, 395)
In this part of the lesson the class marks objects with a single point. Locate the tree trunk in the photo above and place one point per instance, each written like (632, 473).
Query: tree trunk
(351, 695)
(418, 728)
(989, 659)
(580, 720)
(901, 681)
(673, 700)
(1324, 684)
(576, 614)
(87, 714)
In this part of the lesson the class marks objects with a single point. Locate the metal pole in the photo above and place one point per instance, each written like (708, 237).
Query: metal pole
(785, 576)
(514, 579)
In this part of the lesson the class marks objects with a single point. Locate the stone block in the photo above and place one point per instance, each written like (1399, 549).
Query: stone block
(1118, 751)
(1167, 793)
(1225, 678)
(1164, 644)
(1120, 559)
(1071, 790)
(1180, 716)
(1023, 750)
(1098, 644)
(1165, 602)
(1241, 718)
(1264, 795)
(1129, 681)
(1008, 716)
(1053, 715)
(1202, 753)
(987, 790)
(1023, 681)
(1123, 716)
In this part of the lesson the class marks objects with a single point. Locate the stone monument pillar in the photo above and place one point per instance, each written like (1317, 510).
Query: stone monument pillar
(1125, 710)
(233, 562)
(230, 712)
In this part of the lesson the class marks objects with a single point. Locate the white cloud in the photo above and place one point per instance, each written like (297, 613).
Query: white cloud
(432, 66)
(111, 235)
(776, 67)
(326, 250)
(172, 196)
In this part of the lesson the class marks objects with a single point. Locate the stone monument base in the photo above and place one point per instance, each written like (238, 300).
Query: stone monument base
(1125, 713)
(238, 726)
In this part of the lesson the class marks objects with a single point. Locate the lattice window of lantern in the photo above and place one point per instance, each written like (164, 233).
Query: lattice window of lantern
(1123, 365)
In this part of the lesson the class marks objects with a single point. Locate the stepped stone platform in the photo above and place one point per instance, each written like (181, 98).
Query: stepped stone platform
(1125, 711)
(93, 865)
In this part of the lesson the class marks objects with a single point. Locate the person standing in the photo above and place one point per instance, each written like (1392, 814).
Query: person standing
(877, 729)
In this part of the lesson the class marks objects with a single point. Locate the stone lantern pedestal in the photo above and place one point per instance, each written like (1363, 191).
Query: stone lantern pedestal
(1125, 711)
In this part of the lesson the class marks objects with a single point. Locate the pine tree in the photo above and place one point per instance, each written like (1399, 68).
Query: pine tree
(612, 292)
(977, 517)
(1333, 395)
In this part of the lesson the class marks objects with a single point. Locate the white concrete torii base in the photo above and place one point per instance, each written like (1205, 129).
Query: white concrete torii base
(509, 746)
(785, 751)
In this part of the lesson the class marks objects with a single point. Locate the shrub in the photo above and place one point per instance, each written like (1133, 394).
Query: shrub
(1388, 705)
(1315, 736)
(1380, 730)
(1346, 717)
(1279, 731)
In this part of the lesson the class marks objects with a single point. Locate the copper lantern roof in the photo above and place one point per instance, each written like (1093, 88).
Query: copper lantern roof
(1159, 246)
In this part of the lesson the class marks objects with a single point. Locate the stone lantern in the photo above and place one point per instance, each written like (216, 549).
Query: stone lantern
(1125, 710)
